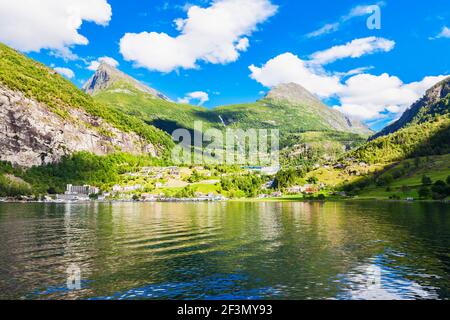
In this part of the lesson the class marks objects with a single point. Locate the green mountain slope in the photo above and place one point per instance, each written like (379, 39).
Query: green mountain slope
(309, 130)
(25, 82)
(433, 104)
(291, 109)
(429, 138)
(163, 114)
(423, 130)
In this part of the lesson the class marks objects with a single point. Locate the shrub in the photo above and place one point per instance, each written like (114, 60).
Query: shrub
(424, 192)
(426, 181)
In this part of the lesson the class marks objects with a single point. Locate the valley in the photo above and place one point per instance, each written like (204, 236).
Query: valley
(57, 135)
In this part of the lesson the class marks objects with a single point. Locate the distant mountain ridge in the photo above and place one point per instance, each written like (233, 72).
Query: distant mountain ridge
(425, 109)
(108, 76)
(296, 94)
(290, 107)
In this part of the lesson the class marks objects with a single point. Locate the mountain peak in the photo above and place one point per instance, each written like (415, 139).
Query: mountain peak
(292, 92)
(107, 75)
(429, 106)
(293, 95)
(439, 91)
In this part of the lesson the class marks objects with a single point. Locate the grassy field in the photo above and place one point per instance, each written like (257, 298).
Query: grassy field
(407, 186)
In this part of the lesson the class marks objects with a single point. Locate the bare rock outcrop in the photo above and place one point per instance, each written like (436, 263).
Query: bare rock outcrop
(32, 135)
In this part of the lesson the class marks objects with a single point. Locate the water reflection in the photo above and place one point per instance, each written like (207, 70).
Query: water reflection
(225, 250)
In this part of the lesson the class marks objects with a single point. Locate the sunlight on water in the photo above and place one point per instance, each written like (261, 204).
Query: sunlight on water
(226, 250)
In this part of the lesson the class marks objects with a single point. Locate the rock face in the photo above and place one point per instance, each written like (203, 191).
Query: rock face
(107, 76)
(32, 135)
(295, 94)
(423, 109)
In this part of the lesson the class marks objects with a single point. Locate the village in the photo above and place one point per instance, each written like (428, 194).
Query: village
(164, 184)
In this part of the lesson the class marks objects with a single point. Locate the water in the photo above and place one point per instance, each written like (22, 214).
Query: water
(233, 250)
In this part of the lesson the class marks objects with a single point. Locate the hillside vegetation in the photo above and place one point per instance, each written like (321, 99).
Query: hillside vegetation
(163, 114)
(44, 85)
(428, 138)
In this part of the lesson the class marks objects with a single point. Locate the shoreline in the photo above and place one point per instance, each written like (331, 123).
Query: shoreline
(232, 200)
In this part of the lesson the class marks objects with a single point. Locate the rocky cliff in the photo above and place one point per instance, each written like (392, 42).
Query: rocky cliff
(32, 135)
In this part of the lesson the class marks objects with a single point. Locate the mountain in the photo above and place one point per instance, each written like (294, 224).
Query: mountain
(308, 128)
(292, 109)
(44, 117)
(423, 130)
(427, 108)
(107, 77)
(289, 107)
(128, 95)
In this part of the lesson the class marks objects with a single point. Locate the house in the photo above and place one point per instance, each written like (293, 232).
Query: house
(135, 187)
(117, 188)
(147, 197)
(277, 194)
(268, 185)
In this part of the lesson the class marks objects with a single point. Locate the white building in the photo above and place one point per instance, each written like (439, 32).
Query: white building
(81, 190)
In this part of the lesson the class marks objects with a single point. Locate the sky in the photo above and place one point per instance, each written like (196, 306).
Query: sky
(370, 60)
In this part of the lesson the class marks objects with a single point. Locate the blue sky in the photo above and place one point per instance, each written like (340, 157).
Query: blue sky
(280, 40)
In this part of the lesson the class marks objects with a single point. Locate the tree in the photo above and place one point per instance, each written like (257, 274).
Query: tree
(424, 192)
(426, 181)
(385, 180)
(439, 187)
(448, 180)
(417, 162)
(313, 180)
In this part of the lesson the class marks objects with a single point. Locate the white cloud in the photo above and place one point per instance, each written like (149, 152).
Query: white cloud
(354, 49)
(288, 67)
(357, 11)
(68, 73)
(353, 71)
(200, 96)
(328, 28)
(30, 25)
(93, 66)
(445, 33)
(367, 96)
(362, 95)
(216, 34)
(362, 10)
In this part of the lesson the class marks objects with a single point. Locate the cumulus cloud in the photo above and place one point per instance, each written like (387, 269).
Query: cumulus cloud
(93, 66)
(288, 67)
(354, 49)
(445, 33)
(199, 96)
(66, 72)
(216, 34)
(368, 96)
(29, 25)
(361, 95)
(358, 11)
